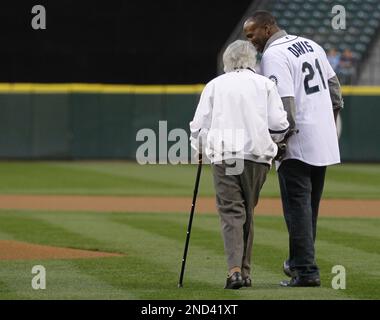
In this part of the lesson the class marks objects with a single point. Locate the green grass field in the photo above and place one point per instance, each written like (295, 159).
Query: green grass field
(153, 242)
(121, 178)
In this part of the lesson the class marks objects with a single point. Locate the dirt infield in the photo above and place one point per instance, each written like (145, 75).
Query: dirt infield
(266, 206)
(16, 250)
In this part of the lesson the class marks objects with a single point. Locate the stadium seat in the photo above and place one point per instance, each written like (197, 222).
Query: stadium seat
(368, 31)
(280, 7)
(289, 14)
(333, 38)
(324, 7)
(312, 18)
(363, 15)
(373, 23)
(299, 22)
(364, 39)
(307, 7)
(358, 23)
(283, 23)
(367, 7)
(294, 7)
(323, 30)
(356, 31)
(351, 7)
(376, 15)
(314, 23)
(293, 30)
(326, 22)
(359, 47)
(308, 30)
(318, 14)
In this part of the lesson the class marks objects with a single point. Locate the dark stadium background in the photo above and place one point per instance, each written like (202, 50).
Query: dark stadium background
(58, 98)
(116, 41)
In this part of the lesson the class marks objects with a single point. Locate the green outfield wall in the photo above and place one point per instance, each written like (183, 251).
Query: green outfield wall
(93, 121)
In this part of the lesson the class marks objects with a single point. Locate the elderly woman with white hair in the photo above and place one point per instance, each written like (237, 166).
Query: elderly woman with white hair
(240, 118)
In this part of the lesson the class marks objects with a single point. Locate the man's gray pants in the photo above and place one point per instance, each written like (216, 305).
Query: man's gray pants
(236, 197)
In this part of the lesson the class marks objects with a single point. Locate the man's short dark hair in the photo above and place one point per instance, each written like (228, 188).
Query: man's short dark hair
(263, 17)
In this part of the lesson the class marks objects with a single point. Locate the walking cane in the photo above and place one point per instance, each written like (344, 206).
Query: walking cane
(180, 283)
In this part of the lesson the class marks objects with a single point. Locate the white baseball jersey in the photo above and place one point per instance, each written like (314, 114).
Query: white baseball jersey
(240, 113)
(300, 69)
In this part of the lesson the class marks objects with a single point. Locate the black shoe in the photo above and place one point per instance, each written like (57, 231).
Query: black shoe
(286, 268)
(247, 282)
(302, 282)
(235, 281)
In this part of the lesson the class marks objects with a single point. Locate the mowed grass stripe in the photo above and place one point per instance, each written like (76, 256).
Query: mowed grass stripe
(64, 280)
(333, 230)
(333, 250)
(354, 175)
(174, 229)
(132, 170)
(356, 227)
(369, 168)
(268, 254)
(338, 247)
(267, 265)
(151, 257)
(148, 179)
(5, 235)
(362, 268)
(270, 249)
(148, 279)
(267, 272)
(128, 178)
(364, 243)
(42, 178)
(5, 291)
(344, 190)
(27, 226)
(205, 272)
(154, 246)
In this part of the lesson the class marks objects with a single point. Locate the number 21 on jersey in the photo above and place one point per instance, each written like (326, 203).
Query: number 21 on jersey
(308, 69)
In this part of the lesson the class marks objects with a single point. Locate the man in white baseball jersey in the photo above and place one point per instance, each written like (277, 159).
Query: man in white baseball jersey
(312, 98)
(240, 116)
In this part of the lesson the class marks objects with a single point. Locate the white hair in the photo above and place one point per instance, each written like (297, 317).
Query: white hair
(240, 54)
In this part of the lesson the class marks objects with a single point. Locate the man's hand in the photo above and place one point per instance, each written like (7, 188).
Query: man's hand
(281, 146)
(281, 151)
